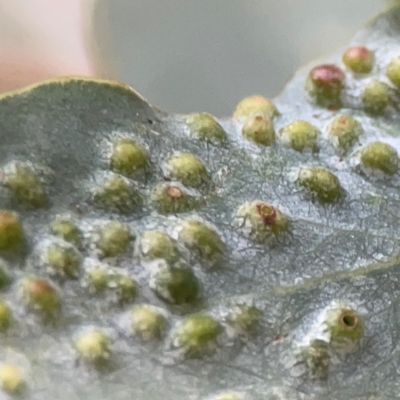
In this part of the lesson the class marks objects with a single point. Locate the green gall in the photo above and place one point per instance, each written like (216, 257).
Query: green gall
(25, 185)
(259, 221)
(175, 285)
(11, 232)
(345, 328)
(255, 105)
(380, 156)
(317, 359)
(66, 229)
(93, 346)
(196, 334)
(63, 260)
(129, 158)
(147, 322)
(5, 316)
(5, 278)
(300, 136)
(113, 239)
(155, 244)
(41, 296)
(117, 195)
(97, 279)
(322, 184)
(245, 319)
(203, 240)
(11, 379)
(187, 169)
(125, 288)
(393, 71)
(259, 130)
(376, 97)
(344, 131)
(204, 126)
(170, 199)
(359, 59)
(325, 83)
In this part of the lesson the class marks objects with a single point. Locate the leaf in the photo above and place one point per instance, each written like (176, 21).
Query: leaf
(190, 259)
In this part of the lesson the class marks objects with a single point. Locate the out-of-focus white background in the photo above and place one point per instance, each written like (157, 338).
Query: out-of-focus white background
(183, 55)
(205, 55)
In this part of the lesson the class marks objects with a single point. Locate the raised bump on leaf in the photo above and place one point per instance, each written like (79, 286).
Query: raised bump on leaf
(321, 183)
(97, 280)
(173, 198)
(11, 231)
(66, 229)
(5, 278)
(196, 334)
(359, 59)
(188, 169)
(118, 287)
(175, 284)
(325, 83)
(203, 240)
(125, 287)
(5, 316)
(113, 239)
(300, 136)
(316, 358)
(24, 183)
(12, 380)
(259, 130)
(205, 127)
(129, 158)
(345, 328)
(376, 97)
(344, 131)
(259, 221)
(155, 244)
(147, 322)
(41, 296)
(116, 194)
(255, 105)
(93, 346)
(380, 156)
(63, 259)
(393, 71)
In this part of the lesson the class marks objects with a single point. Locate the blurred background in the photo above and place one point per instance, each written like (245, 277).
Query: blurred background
(205, 55)
(182, 55)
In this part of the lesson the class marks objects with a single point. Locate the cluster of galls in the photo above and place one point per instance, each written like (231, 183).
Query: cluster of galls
(341, 331)
(185, 180)
(188, 179)
(173, 281)
(257, 220)
(256, 114)
(253, 114)
(194, 336)
(326, 82)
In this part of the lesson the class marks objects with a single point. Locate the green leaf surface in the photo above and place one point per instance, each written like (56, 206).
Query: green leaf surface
(286, 286)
